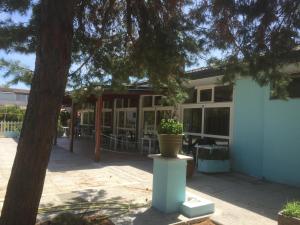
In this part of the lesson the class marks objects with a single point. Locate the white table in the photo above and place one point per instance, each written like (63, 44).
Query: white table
(151, 141)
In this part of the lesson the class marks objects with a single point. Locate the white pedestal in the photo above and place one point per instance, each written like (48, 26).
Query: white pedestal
(169, 181)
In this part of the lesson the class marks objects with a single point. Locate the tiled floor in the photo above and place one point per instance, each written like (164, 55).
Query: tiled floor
(127, 178)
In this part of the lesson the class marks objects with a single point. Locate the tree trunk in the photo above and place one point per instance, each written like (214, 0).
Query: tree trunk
(52, 64)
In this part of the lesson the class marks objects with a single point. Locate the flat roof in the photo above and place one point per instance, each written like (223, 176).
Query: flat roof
(204, 72)
(14, 90)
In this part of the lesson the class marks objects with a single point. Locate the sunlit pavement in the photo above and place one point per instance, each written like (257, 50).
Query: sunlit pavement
(127, 178)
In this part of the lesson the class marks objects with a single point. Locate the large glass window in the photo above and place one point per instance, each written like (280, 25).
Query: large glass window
(130, 119)
(147, 101)
(133, 102)
(223, 93)
(192, 96)
(119, 103)
(149, 122)
(205, 95)
(158, 100)
(192, 120)
(107, 104)
(216, 121)
(88, 118)
(121, 119)
(107, 118)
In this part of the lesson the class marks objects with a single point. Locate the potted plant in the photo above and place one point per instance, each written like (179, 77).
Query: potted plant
(214, 160)
(290, 214)
(170, 133)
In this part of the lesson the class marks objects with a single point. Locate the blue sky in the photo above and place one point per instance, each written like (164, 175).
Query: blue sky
(26, 60)
(29, 60)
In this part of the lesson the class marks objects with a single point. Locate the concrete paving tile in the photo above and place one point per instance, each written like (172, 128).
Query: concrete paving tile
(238, 199)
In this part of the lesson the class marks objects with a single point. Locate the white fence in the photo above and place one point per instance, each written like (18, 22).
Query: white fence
(10, 128)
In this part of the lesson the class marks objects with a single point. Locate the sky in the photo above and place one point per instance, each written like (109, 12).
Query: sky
(26, 60)
(29, 59)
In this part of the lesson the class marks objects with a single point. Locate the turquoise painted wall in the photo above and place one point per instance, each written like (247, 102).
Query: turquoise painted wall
(266, 137)
(248, 128)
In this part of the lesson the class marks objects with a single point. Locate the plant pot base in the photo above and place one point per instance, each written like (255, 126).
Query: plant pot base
(285, 220)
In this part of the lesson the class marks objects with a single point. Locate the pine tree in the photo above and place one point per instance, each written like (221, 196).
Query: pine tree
(257, 38)
(108, 41)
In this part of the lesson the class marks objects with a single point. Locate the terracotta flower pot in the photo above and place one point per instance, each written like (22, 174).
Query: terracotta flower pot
(170, 144)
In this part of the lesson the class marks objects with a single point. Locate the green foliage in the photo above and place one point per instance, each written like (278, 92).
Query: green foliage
(256, 39)
(69, 219)
(11, 113)
(292, 209)
(115, 42)
(170, 126)
(14, 69)
(64, 116)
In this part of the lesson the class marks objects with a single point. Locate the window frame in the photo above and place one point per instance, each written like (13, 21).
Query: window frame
(210, 105)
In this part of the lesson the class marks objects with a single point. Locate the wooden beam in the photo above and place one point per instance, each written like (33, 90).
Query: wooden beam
(72, 126)
(98, 115)
(56, 129)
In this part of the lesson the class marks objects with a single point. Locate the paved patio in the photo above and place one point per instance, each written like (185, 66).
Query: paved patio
(125, 178)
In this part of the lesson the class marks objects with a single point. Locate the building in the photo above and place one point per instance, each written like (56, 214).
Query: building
(263, 132)
(15, 97)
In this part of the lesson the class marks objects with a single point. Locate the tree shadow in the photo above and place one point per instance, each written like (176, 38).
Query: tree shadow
(94, 203)
(153, 216)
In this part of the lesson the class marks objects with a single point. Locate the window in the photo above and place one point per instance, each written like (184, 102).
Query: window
(130, 119)
(149, 122)
(133, 102)
(107, 104)
(121, 119)
(147, 101)
(158, 100)
(107, 119)
(205, 95)
(223, 93)
(192, 120)
(125, 103)
(119, 103)
(216, 121)
(192, 96)
(88, 118)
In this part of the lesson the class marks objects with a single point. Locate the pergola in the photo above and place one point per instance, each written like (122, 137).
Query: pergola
(110, 96)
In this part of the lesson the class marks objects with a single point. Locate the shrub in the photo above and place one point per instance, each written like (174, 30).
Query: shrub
(292, 209)
(11, 113)
(170, 126)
